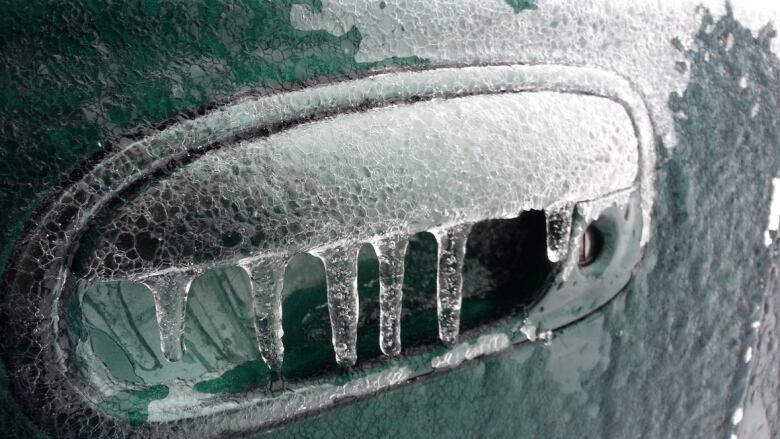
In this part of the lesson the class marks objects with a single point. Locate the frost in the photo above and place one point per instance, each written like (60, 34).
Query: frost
(485, 32)
(773, 223)
(374, 160)
(736, 418)
(754, 110)
(484, 345)
(319, 188)
(559, 223)
(533, 333)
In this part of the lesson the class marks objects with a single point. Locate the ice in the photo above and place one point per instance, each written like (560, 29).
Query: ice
(341, 278)
(580, 217)
(267, 276)
(341, 179)
(559, 222)
(532, 332)
(390, 252)
(328, 185)
(449, 281)
(773, 223)
(170, 299)
(736, 418)
(326, 188)
(484, 345)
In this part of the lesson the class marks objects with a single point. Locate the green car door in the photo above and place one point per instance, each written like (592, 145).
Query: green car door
(389, 218)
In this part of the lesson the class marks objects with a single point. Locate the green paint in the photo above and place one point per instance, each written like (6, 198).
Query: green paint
(306, 323)
(219, 318)
(664, 350)
(243, 378)
(80, 76)
(521, 5)
(115, 358)
(82, 73)
(13, 423)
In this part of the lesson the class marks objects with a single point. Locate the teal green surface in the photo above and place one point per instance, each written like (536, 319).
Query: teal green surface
(521, 5)
(659, 361)
(78, 77)
(662, 360)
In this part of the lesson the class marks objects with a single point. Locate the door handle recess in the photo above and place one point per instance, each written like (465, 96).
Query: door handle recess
(479, 161)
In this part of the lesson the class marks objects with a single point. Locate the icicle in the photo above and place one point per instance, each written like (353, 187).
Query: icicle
(390, 252)
(267, 277)
(341, 278)
(559, 222)
(170, 299)
(449, 282)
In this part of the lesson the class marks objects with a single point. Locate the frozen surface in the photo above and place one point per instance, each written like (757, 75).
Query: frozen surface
(449, 282)
(672, 348)
(326, 187)
(602, 31)
(343, 179)
(390, 252)
(267, 276)
(773, 222)
(253, 184)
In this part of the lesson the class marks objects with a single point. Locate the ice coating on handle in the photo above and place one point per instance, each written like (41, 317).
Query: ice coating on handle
(395, 170)
(327, 186)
